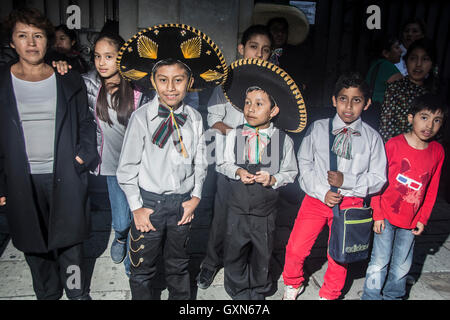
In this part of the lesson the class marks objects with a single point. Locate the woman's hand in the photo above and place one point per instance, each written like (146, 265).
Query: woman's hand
(61, 66)
(2, 201)
(79, 160)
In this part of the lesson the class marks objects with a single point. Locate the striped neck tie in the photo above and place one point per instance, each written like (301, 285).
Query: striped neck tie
(254, 155)
(342, 145)
(171, 122)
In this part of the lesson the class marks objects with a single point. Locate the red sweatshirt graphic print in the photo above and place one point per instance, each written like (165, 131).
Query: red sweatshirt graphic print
(413, 181)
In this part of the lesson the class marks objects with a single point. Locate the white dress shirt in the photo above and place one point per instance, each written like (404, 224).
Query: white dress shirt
(401, 65)
(143, 164)
(228, 165)
(364, 173)
(220, 110)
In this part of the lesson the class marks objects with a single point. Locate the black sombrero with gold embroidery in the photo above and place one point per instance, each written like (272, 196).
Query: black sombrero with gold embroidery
(246, 73)
(181, 42)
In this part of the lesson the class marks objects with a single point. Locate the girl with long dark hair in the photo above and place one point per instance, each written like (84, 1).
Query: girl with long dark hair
(112, 100)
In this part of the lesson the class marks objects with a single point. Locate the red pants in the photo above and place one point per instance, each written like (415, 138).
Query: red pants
(311, 218)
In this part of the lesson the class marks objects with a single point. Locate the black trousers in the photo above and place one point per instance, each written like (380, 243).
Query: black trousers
(60, 269)
(214, 250)
(145, 248)
(248, 249)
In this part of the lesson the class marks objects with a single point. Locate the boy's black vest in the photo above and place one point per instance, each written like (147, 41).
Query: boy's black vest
(254, 199)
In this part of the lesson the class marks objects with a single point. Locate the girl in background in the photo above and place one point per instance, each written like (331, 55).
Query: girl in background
(422, 78)
(382, 71)
(413, 29)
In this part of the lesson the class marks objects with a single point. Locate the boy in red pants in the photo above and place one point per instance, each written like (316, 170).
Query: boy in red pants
(361, 171)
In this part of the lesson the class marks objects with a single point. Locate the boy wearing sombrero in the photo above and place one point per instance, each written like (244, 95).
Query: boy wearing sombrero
(163, 163)
(258, 159)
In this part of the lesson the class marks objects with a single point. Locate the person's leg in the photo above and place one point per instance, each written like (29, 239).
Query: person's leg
(45, 275)
(334, 279)
(72, 272)
(43, 266)
(176, 257)
(121, 220)
(236, 254)
(309, 223)
(402, 257)
(262, 233)
(379, 263)
(213, 260)
(144, 250)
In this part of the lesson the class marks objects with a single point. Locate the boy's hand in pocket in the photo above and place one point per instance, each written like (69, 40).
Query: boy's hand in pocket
(142, 220)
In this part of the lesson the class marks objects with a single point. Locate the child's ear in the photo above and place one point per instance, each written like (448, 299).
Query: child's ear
(369, 102)
(275, 110)
(410, 118)
(152, 80)
(241, 49)
(333, 99)
(191, 82)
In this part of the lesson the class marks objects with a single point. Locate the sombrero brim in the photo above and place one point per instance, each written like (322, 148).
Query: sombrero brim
(298, 23)
(180, 42)
(245, 73)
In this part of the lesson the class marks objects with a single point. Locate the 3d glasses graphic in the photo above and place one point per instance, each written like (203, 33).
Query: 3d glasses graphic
(413, 184)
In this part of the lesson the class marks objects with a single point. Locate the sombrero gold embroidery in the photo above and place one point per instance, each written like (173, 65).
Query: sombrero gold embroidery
(190, 45)
(147, 48)
(191, 48)
(211, 75)
(134, 74)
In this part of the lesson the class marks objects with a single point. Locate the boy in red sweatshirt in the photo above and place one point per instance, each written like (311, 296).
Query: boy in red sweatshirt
(402, 210)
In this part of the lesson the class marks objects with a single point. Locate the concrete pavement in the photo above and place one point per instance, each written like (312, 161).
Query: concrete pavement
(109, 282)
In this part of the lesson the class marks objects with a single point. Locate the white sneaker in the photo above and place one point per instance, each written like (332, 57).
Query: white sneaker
(291, 293)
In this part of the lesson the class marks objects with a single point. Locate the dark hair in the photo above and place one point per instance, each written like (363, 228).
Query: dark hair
(383, 43)
(171, 62)
(68, 32)
(430, 102)
(352, 79)
(256, 29)
(432, 82)
(256, 88)
(280, 20)
(29, 16)
(122, 99)
(416, 20)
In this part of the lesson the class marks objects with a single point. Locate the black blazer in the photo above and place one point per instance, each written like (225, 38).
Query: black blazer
(75, 134)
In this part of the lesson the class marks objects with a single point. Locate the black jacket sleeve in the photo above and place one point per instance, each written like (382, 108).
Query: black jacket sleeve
(87, 148)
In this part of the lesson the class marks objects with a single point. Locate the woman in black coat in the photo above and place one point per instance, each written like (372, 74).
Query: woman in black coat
(47, 212)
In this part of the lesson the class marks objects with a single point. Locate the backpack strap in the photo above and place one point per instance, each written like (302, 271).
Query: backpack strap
(333, 162)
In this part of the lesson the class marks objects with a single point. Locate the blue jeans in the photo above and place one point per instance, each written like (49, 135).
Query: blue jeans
(389, 265)
(121, 215)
